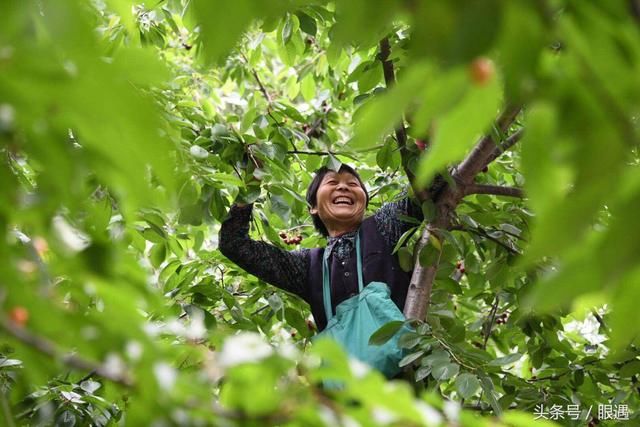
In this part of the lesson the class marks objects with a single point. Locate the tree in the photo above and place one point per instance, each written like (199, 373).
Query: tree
(127, 133)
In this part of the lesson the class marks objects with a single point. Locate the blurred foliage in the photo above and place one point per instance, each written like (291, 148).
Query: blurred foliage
(126, 132)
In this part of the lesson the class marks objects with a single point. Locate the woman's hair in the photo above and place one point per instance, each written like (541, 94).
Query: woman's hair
(312, 193)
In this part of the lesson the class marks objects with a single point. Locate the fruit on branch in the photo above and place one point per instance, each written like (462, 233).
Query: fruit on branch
(290, 240)
(420, 144)
(19, 315)
(481, 71)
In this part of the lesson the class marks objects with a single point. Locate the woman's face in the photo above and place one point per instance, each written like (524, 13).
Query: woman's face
(340, 202)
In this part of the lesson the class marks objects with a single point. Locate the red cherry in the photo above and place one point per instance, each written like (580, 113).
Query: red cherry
(485, 169)
(462, 270)
(481, 71)
(311, 325)
(41, 246)
(19, 315)
(283, 235)
(420, 144)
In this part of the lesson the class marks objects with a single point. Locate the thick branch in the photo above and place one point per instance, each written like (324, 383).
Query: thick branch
(422, 278)
(46, 347)
(480, 154)
(493, 189)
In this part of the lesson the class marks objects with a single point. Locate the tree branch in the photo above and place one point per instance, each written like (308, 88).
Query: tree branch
(418, 299)
(400, 131)
(74, 361)
(492, 319)
(257, 79)
(508, 143)
(483, 233)
(493, 189)
(389, 80)
(480, 154)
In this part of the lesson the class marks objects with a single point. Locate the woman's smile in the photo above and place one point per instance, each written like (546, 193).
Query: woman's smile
(341, 202)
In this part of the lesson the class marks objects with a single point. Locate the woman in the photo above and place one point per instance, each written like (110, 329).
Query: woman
(337, 203)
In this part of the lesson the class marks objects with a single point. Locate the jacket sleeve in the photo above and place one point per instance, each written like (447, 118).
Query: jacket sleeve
(390, 222)
(286, 270)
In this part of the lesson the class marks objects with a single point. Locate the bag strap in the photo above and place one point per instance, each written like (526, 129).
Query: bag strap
(326, 278)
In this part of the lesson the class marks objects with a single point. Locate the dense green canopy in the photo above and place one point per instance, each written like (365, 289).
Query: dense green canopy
(126, 133)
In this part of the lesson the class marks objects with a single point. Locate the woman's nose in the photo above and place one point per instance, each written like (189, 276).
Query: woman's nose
(342, 186)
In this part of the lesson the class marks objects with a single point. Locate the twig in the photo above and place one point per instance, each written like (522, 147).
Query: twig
(556, 376)
(257, 78)
(446, 346)
(600, 320)
(492, 189)
(321, 153)
(74, 361)
(482, 233)
(492, 318)
(313, 153)
(262, 88)
(508, 143)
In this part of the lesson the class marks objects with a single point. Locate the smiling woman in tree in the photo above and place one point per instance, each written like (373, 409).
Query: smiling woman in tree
(337, 202)
(358, 252)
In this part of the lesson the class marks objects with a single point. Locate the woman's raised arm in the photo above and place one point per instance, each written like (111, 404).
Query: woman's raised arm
(278, 267)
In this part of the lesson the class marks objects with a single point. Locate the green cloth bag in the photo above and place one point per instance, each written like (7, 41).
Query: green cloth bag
(358, 317)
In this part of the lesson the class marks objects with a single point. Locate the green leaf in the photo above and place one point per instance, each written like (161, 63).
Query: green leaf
(630, 369)
(385, 332)
(6, 363)
(429, 256)
(451, 141)
(444, 371)
(405, 258)
(333, 163)
(308, 88)
(489, 394)
(467, 385)
(158, 254)
(422, 373)
(409, 340)
(401, 241)
(287, 30)
(307, 23)
(506, 360)
(384, 112)
(410, 358)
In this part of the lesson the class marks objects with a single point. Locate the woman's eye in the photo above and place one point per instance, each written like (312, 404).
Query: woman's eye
(354, 184)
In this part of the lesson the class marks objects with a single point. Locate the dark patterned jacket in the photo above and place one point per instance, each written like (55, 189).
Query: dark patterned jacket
(300, 272)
